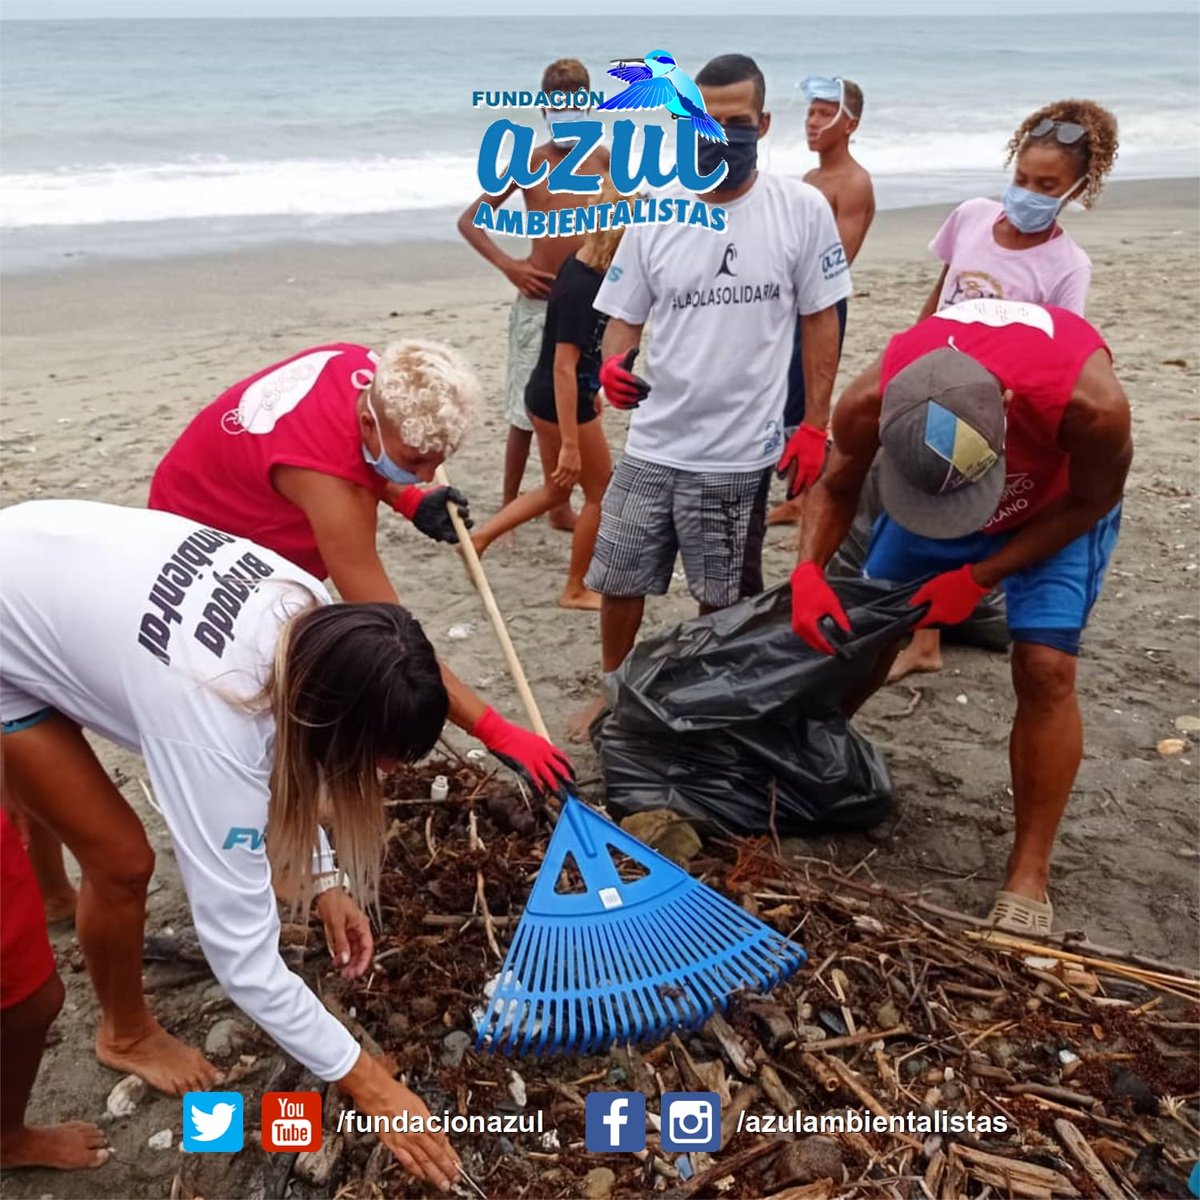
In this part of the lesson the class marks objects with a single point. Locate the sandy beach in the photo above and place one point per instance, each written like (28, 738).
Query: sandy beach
(103, 364)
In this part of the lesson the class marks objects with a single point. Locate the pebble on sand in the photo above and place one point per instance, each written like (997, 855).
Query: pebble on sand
(1172, 746)
(223, 1038)
(126, 1096)
(599, 1183)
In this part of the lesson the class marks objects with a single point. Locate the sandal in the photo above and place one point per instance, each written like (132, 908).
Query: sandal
(1021, 915)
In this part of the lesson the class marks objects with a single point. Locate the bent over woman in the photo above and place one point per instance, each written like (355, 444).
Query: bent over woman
(260, 709)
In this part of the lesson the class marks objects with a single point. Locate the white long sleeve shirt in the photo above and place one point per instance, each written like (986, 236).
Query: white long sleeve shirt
(150, 630)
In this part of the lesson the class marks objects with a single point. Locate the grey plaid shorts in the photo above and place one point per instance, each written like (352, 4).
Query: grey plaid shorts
(715, 521)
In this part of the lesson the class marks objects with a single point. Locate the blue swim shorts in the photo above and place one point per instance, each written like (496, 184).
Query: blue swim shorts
(1048, 604)
(34, 718)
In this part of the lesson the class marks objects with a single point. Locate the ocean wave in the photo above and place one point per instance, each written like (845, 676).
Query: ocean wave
(220, 188)
(216, 188)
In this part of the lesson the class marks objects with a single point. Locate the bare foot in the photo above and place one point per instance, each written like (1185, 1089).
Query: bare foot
(163, 1061)
(65, 1147)
(562, 519)
(578, 722)
(60, 906)
(787, 513)
(480, 546)
(584, 598)
(921, 654)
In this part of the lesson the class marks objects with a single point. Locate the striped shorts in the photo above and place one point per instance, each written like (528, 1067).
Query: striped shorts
(715, 521)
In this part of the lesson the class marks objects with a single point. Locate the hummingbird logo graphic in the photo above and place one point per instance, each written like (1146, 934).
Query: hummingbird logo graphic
(657, 82)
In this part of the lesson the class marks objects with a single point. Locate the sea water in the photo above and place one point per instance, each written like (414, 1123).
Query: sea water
(150, 137)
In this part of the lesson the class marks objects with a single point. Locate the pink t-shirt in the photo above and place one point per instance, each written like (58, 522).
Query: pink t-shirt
(1057, 272)
(298, 413)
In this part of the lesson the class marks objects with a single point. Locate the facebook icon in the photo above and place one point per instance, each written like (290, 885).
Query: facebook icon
(615, 1122)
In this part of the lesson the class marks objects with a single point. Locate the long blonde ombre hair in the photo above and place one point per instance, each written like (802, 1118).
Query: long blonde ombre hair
(351, 685)
(601, 245)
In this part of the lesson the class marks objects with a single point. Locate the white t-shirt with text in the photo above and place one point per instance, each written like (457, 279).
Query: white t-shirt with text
(148, 629)
(723, 308)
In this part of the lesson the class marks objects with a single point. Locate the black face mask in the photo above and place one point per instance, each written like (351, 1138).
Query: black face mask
(741, 154)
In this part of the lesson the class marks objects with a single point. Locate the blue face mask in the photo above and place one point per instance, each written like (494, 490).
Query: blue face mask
(383, 465)
(1033, 212)
(564, 118)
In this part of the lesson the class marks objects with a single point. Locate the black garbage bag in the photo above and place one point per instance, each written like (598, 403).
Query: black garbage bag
(986, 627)
(708, 717)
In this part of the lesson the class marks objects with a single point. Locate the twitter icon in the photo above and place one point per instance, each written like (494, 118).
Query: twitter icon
(212, 1122)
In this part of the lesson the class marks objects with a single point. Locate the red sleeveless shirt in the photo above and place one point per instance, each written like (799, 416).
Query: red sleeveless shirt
(298, 413)
(1036, 352)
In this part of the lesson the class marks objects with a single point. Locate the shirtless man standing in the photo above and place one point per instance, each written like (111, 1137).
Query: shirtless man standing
(834, 110)
(533, 276)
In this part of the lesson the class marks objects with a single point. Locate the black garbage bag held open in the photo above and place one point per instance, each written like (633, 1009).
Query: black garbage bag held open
(707, 716)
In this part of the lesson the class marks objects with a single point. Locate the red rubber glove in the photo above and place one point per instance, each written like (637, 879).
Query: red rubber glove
(624, 389)
(951, 597)
(804, 458)
(539, 762)
(813, 600)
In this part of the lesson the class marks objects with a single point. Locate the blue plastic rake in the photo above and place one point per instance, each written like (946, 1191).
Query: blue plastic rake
(622, 961)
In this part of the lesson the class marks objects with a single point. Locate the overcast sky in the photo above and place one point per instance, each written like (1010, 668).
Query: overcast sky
(64, 9)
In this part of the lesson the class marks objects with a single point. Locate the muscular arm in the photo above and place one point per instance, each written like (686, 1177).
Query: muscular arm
(819, 354)
(619, 336)
(1095, 432)
(343, 517)
(833, 500)
(854, 214)
(930, 305)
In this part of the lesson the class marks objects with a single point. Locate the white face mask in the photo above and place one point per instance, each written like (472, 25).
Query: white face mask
(564, 117)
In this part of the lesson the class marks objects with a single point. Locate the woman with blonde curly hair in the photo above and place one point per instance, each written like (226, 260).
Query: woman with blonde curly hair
(1015, 249)
(299, 456)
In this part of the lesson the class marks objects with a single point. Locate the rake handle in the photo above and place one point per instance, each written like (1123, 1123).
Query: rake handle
(475, 569)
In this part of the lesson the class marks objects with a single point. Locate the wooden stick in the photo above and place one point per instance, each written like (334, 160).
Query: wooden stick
(820, 1072)
(1048, 950)
(489, 927)
(717, 1028)
(1083, 1154)
(851, 1083)
(1012, 1172)
(475, 569)
(1003, 941)
(729, 1166)
(1061, 1094)
(455, 920)
(853, 1039)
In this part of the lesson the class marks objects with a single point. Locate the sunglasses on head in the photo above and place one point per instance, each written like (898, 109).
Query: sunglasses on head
(1066, 133)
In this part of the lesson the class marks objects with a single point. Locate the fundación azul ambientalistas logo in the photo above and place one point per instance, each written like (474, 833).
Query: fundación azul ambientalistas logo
(655, 82)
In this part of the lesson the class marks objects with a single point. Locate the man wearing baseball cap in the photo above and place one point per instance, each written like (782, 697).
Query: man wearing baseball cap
(1004, 442)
